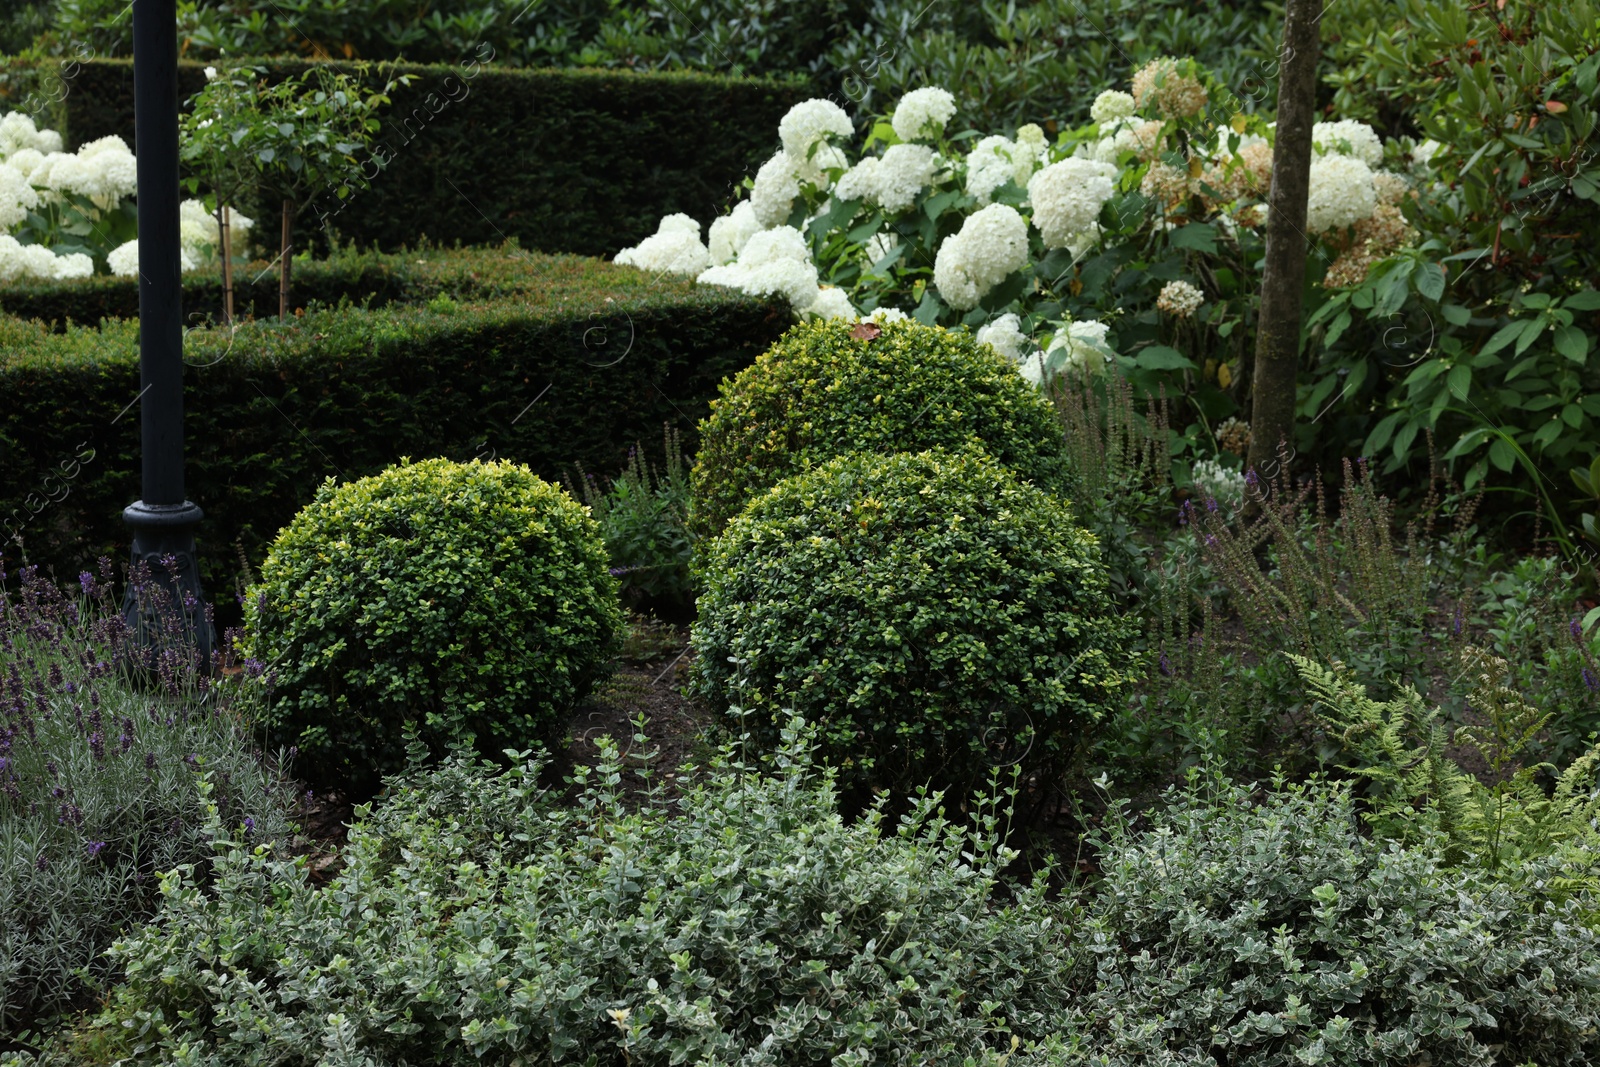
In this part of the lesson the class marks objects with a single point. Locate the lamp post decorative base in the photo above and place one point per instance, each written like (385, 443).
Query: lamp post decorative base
(164, 603)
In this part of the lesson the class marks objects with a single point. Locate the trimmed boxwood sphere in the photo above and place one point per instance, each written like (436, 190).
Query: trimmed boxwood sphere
(468, 598)
(934, 615)
(831, 387)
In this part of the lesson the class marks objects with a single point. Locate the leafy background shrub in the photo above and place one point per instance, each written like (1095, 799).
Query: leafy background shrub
(472, 599)
(935, 617)
(643, 516)
(755, 926)
(553, 360)
(1273, 932)
(823, 391)
(1010, 62)
(97, 797)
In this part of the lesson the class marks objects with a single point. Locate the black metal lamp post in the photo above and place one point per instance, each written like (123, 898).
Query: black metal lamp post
(163, 520)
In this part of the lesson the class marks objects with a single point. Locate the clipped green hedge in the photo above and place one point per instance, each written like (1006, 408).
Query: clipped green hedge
(573, 366)
(565, 161)
(373, 279)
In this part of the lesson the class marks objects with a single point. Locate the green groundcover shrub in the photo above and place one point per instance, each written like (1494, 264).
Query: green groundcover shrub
(933, 615)
(482, 919)
(575, 364)
(1273, 932)
(832, 387)
(97, 788)
(472, 599)
(565, 161)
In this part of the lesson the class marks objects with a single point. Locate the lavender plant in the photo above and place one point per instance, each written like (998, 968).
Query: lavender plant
(99, 749)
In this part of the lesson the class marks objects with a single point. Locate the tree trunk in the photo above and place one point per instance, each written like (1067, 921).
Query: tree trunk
(226, 241)
(287, 257)
(1277, 356)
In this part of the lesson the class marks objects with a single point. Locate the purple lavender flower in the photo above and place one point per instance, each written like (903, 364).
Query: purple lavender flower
(1591, 681)
(86, 580)
(1251, 479)
(1577, 629)
(1211, 504)
(149, 761)
(97, 745)
(249, 825)
(42, 862)
(254, 667)
(1166, 664)
(93, 848)
(1456, 625)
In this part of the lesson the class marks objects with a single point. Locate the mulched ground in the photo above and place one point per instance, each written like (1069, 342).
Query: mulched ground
(648, 682)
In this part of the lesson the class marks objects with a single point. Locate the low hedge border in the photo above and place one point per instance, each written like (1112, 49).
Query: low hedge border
(576, 364)
(581, 161)
(371, 279)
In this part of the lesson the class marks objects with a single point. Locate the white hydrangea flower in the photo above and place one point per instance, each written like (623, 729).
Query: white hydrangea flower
(831, 303)
(1223, 484)
(17, 132)
(1422, 155)
(730, 232)
(48, 141)
(211, 73)
(1080, 346)
(774, 245)
(1341, 193)
(1111, 105)
(810, 123)
(922, 113)
(992, 244)
(903, 172)
(777, 260)
(1005, 336)
(990, 165)
(124, 259)
(884, 316)
(26, 161)
(1348, 137)
(17, 197)
(113, 143)
(675, 248)
(815, 170)
(73, 265)
(71, 174)
(776, 186)
(1180, 299)
(860, 182)
(1067, 198)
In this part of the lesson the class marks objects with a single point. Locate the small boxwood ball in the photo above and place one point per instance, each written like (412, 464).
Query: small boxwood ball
(472, 599)
(936, 616)
(831, 387)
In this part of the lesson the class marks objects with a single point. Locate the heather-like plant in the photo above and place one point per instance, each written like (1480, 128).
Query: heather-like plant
(99, 748)
(480, 918)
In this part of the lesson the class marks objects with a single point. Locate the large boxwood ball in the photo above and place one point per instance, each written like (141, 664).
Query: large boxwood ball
(934, 614)
(469, 598)
(831, 387)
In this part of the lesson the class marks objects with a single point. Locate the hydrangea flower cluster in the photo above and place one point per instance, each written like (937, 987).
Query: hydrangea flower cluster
(1222, 484)
(1170, 84)
(199, 238)
(675, 248)
(922, 114)
(37, 176)
(1179, 299)
(1067, 198)
(19, 261)
(992, 244)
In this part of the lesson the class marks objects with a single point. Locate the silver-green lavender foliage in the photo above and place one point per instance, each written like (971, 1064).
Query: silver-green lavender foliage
(1272, 932)
(96, 789)
(481, 918)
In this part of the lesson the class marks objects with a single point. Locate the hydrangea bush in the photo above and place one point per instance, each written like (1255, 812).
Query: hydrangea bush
(60, 211)
(1126, 235)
